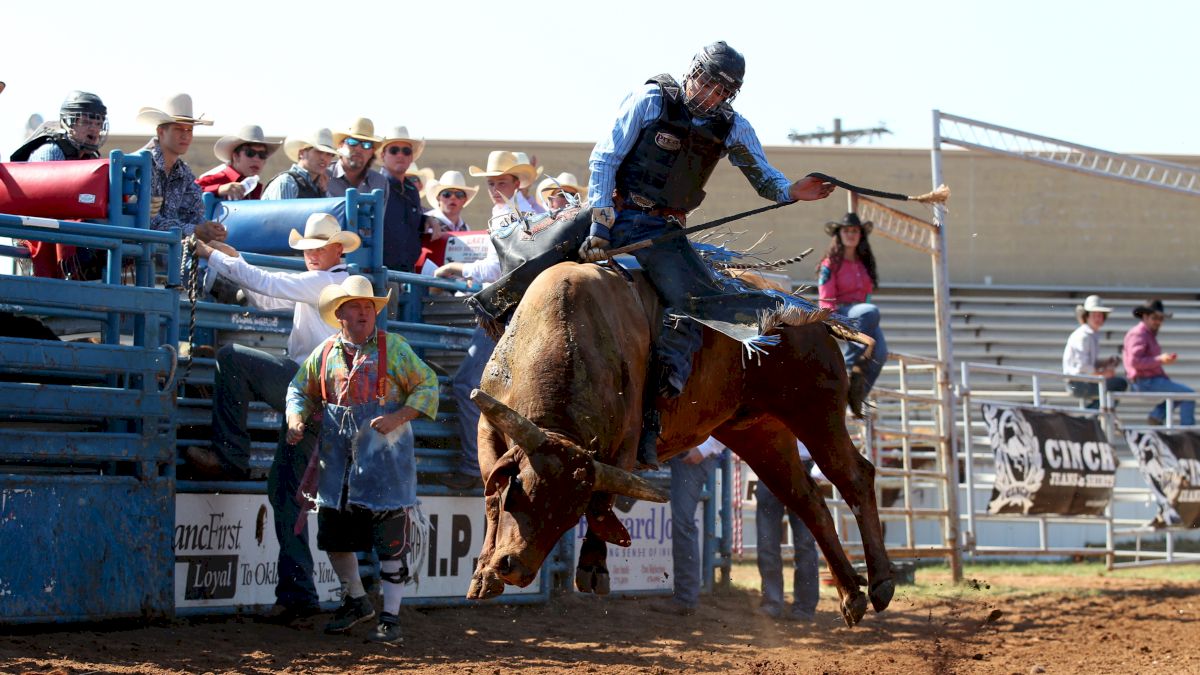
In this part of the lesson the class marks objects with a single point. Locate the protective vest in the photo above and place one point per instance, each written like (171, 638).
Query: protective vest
(305, 187)
(59, 138)
(673, 158)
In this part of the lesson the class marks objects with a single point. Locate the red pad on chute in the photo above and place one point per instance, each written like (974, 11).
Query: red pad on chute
(61, 190)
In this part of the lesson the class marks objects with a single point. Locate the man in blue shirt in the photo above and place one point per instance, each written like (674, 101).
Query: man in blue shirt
(651, 171)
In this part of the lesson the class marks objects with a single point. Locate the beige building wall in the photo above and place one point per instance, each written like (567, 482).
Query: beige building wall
(1010, 222)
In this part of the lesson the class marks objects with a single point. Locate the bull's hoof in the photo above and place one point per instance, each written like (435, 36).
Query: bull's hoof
(881, 594)
(475, 589)
(592, 579)
(483, 587)
(854, 607)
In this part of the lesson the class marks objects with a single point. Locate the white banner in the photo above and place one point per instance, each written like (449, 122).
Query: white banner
(226, 554)
(647, 564)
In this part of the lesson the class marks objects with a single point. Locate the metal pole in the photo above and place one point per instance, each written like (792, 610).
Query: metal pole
(941, 308)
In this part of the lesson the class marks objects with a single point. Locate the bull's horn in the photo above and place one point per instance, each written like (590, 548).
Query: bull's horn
(525, 433)
(620, 482)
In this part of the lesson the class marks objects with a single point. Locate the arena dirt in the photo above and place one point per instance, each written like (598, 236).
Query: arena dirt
(1041, 624)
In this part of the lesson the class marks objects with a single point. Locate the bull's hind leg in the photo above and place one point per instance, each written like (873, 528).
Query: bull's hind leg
(854, 476)
(770, 449)
(591, 573)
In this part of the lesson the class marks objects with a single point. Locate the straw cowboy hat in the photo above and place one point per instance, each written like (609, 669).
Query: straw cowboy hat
(502, 162)
(251, 133)
(1151, 307)
(400, 135)
(355, 287)
(321, 139)
(1091, 303)
(524, 159)
(321, 230)
(451, 180)
(567, 182)
(848, 220)
(423, 175)
(176, 110)
(361, 128)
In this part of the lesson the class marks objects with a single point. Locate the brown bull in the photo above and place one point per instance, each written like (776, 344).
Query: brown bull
(562, 404)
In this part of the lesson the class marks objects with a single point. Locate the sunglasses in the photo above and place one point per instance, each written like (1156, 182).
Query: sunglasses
(252, 153)
(399, 149)
(452, 194)
(354, 143)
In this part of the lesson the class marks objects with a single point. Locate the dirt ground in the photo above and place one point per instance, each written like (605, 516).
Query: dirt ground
(994, 624)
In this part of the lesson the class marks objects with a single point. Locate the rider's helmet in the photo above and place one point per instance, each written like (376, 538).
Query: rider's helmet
(714, 79)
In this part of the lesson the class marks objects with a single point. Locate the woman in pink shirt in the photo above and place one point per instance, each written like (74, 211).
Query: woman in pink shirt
(846, 279)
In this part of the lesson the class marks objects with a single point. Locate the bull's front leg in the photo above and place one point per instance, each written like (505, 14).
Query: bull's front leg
(591, 574)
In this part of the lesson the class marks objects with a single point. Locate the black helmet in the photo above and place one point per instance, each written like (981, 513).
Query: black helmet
(715, 63)
(84, 105)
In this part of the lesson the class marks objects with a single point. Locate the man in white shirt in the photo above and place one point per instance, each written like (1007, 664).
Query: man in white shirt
(245, 374)
(1081, 356)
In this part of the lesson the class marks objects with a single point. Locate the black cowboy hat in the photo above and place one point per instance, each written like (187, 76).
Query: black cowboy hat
(1150, 307)
(848, 220)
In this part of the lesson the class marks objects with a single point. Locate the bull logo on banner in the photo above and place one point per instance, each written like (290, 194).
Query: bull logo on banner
(1170, 463)
(1048, 463)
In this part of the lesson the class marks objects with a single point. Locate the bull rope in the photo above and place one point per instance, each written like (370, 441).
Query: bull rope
(192, 285)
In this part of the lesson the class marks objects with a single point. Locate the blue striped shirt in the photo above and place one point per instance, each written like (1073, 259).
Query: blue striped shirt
(638, 111)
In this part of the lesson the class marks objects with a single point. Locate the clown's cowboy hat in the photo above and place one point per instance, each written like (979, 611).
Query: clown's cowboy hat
(175, 110)
(424, 175)
(848, 220)
(400, 135)
(355, 287)
(321, 139)
(361, 128)
(451, 180)
(250, 134)
(321, 230)
(567, 182)
(501, 162)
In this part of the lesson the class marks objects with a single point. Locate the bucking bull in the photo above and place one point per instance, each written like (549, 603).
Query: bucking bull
(562, 405)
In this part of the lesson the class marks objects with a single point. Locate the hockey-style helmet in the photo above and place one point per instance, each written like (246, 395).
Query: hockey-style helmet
(84, 106)
(715, 65)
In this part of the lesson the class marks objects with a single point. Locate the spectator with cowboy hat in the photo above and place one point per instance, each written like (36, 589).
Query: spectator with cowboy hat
(421, 177)
(356, 148)
(449, 196)
(404, 220)
(506, 173)
(1144, 361)
(550, 192)
(371, 386)
(1082, 354)
(244, 374)
(175, 197)
(244, 155)
(311, 154)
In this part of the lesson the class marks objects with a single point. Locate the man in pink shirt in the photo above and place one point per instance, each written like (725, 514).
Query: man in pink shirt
(1144, 361)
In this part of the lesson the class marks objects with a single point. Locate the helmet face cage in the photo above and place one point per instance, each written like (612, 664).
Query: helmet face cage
(696, 89)
(79, 107)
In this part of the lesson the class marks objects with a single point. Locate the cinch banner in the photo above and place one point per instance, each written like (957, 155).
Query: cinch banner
(1170, 463)
(1049, 463)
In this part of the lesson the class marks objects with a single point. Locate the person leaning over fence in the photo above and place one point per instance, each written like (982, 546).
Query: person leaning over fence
(1082, 354)
(244, 155)
(356, 155)
(846, 279)
(175, 197)
(371, 385)
(245, 374)
(311, 154)
(1144, 361)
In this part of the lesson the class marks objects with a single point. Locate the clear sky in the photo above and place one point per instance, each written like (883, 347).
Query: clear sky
(1116, 75)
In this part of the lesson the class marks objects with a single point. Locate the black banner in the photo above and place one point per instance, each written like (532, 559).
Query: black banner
(1170, 463)
(1049, 463)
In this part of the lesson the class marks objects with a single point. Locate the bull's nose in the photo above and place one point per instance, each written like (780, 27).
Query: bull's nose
(512, 570)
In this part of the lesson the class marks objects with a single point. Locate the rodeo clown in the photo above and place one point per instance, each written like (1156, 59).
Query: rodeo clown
(649, 173)
(371, 386)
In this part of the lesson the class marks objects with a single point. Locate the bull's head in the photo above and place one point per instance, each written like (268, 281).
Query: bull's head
(535, 492)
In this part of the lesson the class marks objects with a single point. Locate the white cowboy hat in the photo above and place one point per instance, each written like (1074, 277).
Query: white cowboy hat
(321, 139)
(355, 287)
(1092, 304)
(175, 110)
(400, 135)
(426, 176)
(567, 182)
(451, 180)
(251, 133)
(321, 230)
(524, 159)
(361, 128)
(502, 162)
